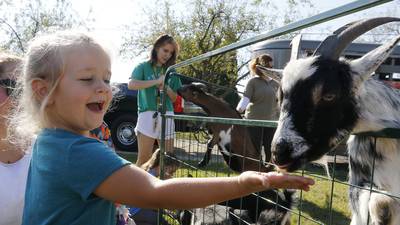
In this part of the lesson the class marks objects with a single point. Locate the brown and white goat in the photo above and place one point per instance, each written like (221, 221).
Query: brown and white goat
(323, 99)
(234, 141)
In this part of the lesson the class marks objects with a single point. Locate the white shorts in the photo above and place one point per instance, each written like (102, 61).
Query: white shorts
(151, 127)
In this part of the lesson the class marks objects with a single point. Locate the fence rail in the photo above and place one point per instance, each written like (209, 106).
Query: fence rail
(309, 208)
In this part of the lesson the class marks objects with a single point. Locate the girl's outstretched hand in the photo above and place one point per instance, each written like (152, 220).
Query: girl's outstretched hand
(261, 181)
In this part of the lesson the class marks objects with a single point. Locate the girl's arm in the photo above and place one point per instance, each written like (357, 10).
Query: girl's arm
(142, 84)
(133, 186)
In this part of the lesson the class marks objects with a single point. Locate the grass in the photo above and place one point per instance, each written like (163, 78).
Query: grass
(314, 204)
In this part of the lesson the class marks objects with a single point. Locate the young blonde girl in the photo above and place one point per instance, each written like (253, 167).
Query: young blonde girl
(74, 179)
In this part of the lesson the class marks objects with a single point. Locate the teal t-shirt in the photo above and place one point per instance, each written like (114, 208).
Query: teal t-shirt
(65, 170)
(147, 98)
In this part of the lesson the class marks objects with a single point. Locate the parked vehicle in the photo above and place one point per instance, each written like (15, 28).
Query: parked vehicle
(121, 118)
(280, 50)
(391, 79)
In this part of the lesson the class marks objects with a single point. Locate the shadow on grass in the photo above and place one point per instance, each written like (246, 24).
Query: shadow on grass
(322, 214)
(341, 171)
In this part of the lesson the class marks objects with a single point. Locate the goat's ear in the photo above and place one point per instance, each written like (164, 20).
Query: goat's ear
(274, 74)
(365, 66)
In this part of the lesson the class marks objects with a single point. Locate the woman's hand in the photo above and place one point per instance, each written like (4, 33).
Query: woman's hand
(260, 181)
(160, 80)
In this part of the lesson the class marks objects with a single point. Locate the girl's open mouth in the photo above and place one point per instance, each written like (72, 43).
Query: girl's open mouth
(96, 106)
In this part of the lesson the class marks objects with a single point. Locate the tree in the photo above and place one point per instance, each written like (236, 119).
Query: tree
(204, 26)
(21, 22)
(385, 32)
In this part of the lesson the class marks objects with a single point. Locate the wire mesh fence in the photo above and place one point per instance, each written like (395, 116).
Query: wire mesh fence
(326, 203)
(199, 155)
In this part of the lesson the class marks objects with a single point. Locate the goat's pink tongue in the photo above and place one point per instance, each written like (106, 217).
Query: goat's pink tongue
(94, 107)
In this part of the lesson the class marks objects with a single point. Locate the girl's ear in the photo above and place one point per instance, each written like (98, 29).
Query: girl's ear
(40, 89)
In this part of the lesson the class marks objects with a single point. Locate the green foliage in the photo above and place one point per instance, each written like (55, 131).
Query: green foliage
(206, 25)
(22, 21)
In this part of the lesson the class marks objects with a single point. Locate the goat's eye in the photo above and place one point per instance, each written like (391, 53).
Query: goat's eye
(328, 97)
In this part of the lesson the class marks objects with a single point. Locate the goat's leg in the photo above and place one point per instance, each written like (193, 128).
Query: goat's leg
(207, 155)
(359, 205)
(383, 210)
(373, 209)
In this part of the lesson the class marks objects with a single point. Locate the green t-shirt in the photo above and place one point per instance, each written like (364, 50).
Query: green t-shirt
(147, 98)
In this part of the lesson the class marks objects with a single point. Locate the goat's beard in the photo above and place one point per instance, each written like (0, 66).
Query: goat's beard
(298, 158)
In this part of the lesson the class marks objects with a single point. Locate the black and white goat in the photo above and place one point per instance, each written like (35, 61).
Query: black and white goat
(323, 99)
(234, 141)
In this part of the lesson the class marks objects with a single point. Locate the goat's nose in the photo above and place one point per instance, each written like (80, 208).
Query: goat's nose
(281, 152)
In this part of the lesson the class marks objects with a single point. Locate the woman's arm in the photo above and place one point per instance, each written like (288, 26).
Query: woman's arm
(171, 94)
(241, 106)
(142, 84)
(133, 186)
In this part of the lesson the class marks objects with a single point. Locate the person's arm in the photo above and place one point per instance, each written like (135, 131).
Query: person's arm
(247, 95)
(133, 186)
(142, 84)
(241, 106)
(171, 94)
(171, 90)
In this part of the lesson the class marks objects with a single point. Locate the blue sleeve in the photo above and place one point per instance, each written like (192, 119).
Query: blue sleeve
(138, 72)
(89, 163)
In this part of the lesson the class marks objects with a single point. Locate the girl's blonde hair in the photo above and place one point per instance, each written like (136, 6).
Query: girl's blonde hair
(262, 60)
(45, 60)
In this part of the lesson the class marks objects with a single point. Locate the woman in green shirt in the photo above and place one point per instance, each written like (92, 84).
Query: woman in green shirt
(148, 78)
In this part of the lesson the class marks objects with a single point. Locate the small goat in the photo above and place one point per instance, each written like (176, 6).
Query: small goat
(323, 99)
(234, 141)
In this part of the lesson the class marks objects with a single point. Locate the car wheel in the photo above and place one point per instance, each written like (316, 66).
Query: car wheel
(123, 133)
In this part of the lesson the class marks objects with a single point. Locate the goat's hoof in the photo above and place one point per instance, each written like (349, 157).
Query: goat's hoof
(202, 164)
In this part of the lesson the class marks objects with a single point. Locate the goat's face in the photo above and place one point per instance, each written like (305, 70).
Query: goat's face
(317, 110)
(191, 92)
(318, 105)
(318, 96)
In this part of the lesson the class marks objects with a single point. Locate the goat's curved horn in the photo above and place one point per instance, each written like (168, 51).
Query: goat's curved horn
(274, 74)
(334, 44)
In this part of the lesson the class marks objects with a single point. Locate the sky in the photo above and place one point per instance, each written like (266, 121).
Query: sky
(110, 16)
